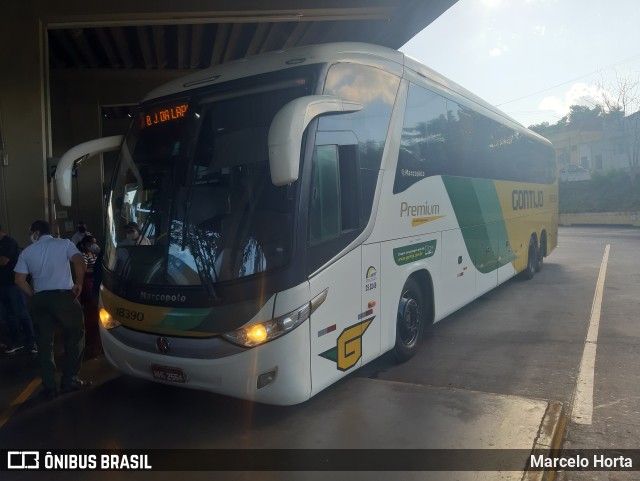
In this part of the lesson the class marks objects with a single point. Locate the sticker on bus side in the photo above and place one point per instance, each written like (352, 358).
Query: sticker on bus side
(415, 252)
(348, 350)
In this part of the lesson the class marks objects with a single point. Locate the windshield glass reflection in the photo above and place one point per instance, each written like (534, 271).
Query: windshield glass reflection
(192, 202)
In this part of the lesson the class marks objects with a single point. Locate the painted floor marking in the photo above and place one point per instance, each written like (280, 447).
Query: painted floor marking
(582, 409)
(22, 397)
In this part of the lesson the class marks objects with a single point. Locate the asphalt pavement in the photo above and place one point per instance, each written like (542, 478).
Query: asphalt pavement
(491, 383)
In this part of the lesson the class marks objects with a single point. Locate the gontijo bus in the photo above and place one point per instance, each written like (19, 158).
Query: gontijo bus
(306, 211)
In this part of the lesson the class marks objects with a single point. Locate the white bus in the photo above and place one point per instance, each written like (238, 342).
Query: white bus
(304, 212)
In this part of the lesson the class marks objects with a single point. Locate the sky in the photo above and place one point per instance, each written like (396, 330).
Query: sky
(533, 59)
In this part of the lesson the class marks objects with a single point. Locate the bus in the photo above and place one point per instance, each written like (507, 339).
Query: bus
(276, 222)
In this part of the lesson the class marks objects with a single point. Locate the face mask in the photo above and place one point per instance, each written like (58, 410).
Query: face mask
(33, 238)
(94, 248)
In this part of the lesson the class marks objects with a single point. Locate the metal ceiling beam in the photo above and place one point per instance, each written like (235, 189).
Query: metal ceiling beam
(107, 48)
(219, 44)
(238, 16)
(276, 38)
(182, 46)
(258, 38)
(231, 52)
(82, 45)
(196, 45)
(298, 31)
(68, 48)
(159, 44)
(122, 46)
(145, 47)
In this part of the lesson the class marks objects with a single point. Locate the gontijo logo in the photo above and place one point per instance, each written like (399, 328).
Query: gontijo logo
(527, 199)
(348, 350)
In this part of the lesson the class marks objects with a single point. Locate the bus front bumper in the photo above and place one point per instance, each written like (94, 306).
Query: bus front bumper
(283, 364)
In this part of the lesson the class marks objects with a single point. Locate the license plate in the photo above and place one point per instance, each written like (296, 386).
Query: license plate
(169, 374)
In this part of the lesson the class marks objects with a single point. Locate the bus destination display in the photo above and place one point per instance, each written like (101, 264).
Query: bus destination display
(163, 115)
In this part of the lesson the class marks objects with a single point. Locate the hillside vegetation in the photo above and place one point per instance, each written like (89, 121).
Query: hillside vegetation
(612, 192)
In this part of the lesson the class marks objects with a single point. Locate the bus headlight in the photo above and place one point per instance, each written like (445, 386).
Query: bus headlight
(106, 320)
(261, 332)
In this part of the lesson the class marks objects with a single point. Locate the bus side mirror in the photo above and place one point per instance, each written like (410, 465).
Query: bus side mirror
(287, 127)
(80, 152)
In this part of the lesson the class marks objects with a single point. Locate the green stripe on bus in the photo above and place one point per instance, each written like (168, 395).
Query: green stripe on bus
(477, 208)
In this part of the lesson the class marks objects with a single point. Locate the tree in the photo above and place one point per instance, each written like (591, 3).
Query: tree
(543, 128)
(582, 117)
(623, 115)
(579, 117)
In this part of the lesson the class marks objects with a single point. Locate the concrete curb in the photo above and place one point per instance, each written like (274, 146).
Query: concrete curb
(550, 438)
(600, 218)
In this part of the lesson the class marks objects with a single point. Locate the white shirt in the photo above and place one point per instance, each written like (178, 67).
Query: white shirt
(47, 260)
(78, 236)
(140, 241)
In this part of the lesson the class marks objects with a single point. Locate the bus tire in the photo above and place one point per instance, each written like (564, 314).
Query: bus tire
(542, 250)
(532, 260)
(411, 320)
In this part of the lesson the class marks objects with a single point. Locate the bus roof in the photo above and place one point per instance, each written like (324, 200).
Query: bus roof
(283, 59)
(369, 54)
(456, 90)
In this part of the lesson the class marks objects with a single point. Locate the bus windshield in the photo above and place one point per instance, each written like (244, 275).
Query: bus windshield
(192, 202)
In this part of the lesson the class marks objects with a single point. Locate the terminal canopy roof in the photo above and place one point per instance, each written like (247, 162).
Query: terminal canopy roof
(189, 38)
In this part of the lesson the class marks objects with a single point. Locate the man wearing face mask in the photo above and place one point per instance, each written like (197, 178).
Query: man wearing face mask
(80, 233)
(55, 300)
(134, 237)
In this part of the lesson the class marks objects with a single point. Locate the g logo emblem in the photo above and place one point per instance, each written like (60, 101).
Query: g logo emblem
(348, 350)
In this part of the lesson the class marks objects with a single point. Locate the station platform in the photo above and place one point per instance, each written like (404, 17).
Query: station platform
(378, 429)
(454, 429)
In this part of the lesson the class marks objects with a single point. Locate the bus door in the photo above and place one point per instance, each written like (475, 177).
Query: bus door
(339, 325)
(336, 326)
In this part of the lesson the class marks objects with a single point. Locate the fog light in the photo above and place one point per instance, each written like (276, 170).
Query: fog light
(106, 320)
(266, 378)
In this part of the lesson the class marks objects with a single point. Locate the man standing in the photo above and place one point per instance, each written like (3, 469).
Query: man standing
(12, 299)
(80, 233)
(134, 236)
(55, 299)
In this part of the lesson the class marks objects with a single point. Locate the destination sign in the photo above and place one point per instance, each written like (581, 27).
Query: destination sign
(163, 115)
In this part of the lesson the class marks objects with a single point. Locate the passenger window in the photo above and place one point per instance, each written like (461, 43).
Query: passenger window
(442, 137)
(422, 145)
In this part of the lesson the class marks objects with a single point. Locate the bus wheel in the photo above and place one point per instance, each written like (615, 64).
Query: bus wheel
(532, 260)
(541, 252)
(410, 322)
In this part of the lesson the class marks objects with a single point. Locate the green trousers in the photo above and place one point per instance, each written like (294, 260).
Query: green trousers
(49, 309)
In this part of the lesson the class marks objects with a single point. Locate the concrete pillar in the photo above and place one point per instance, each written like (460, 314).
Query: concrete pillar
(23, 186)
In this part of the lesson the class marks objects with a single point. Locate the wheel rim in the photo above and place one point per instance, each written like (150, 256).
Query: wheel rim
(540, 256)
(408, 319)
